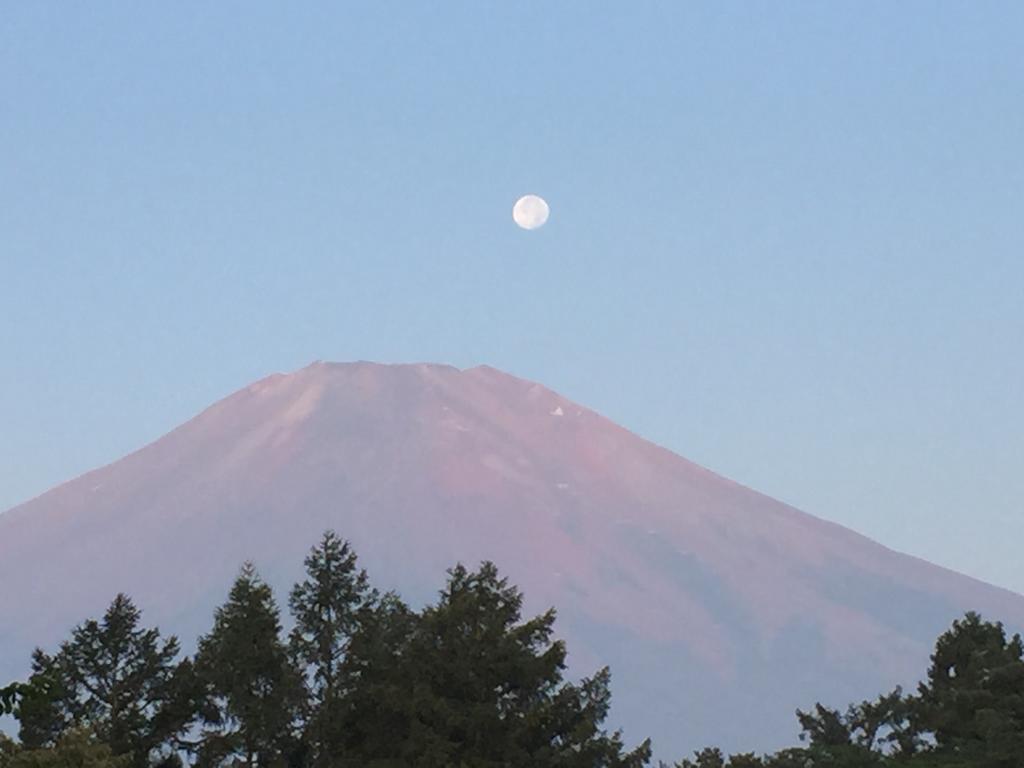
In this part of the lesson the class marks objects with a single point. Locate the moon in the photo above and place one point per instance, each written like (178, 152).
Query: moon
(530, 211)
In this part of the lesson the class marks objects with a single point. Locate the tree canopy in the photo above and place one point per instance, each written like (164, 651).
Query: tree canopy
(467, 681)
(967, 713)
(117, 680)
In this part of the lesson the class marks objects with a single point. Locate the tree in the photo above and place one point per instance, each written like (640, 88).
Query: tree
(887, 724)
(252, 691)
(114, 678)
(328, 608)
(973, 698)
(8, 750)
(375, 710)
(824, 727)
(476, 686)
(9, 698)
(709, 757)
(77, 748)
(41, 715)
(969, 713)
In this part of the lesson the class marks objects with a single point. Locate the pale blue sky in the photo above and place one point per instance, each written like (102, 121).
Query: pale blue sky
(786, 239)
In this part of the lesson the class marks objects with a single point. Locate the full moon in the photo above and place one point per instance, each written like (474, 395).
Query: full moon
(530, 211)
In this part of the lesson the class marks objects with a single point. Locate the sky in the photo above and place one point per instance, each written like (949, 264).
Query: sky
(786, 240)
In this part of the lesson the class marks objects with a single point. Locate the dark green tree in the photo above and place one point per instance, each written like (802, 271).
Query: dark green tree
(376, 712)
(838, 739)
(8, 750)
(41, 716)
(9, 698)
(77, 748)
(824, 727)
(887, 724)
(746, 760)
(118, 680)
(969, 713)
(476, 686)
(328, 608)
(709, 757)
(252, 691)
(973, 698)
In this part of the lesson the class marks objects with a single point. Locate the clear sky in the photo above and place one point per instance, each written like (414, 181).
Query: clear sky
(786, 239)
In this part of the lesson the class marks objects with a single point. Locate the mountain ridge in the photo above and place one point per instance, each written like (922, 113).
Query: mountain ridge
(671, 573)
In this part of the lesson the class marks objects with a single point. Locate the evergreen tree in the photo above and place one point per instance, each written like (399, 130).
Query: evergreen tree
(969, 713)
(476, 686)
(77, 748)
(746, 760)
(8, 750)
(973, 698)
(118, 680)
(9, 698)
(887, 724)
(328, 607)
(824, 727)
(42, 718)
(252, 691)
(709, 757)
(376, 712)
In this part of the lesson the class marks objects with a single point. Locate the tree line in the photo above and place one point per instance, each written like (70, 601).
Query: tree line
(363, 680)
(968, 712)
(360, 680)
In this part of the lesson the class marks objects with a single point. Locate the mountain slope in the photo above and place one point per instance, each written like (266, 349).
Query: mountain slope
(719, 610)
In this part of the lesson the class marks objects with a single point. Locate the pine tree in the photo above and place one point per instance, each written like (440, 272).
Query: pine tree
(973, 698)
(114, 678)
(41, 717)
(328, 607)
(376, 719)
(709, 757)
(253, 692)
(477, 686)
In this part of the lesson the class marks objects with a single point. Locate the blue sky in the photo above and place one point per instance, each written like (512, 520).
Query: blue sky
(786, 240)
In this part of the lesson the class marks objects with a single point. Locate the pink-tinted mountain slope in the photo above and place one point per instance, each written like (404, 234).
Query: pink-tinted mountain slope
(718, 609)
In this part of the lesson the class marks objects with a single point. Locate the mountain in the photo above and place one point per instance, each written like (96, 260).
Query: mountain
(718, 609)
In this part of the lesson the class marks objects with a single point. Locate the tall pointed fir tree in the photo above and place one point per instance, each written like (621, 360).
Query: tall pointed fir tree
(328, 607)
(252, 691)
(118, 680)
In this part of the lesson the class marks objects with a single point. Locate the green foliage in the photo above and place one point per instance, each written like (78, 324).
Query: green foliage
(76, 748)
(9, 698)
(252, 692)
(471, 684)
(329, 606)
(883, 725)
(709, 757)
(474, 672)
(42, 719)
(825, 727)
(114, 678)
(376, 708)
(973, 699)
(465, 683)
(8, 749)
(968, 714)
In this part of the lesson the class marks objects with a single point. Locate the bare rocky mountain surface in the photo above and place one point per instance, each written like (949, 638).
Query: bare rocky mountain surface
(718, 609)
